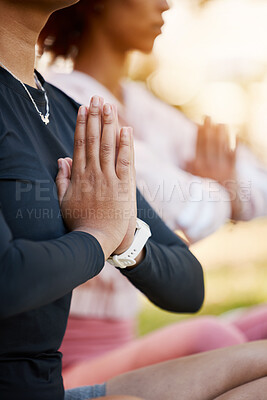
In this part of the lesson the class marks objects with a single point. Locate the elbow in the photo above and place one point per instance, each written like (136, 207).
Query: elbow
(190, 296)
(193, 304)
(197, 289)
(197, 300)
(188, 301)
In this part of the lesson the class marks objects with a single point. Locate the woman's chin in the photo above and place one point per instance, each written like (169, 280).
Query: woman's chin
(147, 46)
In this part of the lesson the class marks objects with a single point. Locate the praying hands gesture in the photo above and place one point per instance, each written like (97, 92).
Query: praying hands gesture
(216, 160)
(97, 192)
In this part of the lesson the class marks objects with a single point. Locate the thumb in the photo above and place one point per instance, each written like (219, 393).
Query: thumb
(62, 179)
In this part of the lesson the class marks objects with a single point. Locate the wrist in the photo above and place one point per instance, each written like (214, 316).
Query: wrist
(236, 207)
(103, 239)
(121, 249)
(139, 258)
(233, 188)
(136, 252)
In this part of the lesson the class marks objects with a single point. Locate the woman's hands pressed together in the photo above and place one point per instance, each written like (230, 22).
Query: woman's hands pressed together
(97, 192)
(214, 157)
(216, 160)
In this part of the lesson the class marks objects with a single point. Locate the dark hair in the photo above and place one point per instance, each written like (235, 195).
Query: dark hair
(63, 32)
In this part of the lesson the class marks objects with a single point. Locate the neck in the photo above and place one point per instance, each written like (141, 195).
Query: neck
(19, 31)
(103, 62)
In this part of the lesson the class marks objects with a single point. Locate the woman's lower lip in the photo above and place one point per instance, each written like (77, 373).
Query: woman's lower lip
(158, 29)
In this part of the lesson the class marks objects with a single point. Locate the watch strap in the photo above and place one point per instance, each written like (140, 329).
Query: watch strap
(127, 259)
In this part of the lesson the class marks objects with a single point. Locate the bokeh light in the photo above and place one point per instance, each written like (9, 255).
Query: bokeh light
(212, 59)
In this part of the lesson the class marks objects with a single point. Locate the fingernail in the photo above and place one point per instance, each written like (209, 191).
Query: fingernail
(59, 163)
(83, 111)
(107, 109)
(95, 101)
(125, 131)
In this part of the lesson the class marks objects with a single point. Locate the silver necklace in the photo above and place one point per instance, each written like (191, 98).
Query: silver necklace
(44, 118)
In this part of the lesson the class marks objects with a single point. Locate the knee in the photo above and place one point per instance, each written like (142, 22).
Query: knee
(218, 334)
(212, 324)
(209, 323)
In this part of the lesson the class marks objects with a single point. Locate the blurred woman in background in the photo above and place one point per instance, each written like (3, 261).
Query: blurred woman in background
(97, 36)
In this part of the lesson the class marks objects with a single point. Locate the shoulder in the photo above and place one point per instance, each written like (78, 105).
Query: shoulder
(140, 99)
(77, 85)
(137, 94)
(133, 89)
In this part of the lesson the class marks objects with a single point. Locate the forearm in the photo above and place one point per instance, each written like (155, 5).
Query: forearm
(169, 275)
(237, 206)
(34, 274)
(251, 176)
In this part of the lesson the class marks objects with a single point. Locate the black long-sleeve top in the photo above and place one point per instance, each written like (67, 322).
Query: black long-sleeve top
(39, 266)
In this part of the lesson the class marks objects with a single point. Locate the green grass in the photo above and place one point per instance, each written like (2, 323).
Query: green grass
(227, 288)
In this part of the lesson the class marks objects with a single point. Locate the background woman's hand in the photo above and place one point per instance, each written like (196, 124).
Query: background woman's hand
(214, 157)
(216, 160)
(97, 194)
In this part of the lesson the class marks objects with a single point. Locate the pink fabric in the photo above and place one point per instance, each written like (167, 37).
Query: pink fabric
(177, 340)
(253, 323)
(109, 295)
(87, 339)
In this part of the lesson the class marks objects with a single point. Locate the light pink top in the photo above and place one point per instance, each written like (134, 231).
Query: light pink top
(88, 338)
(109, 295)
(165, 140)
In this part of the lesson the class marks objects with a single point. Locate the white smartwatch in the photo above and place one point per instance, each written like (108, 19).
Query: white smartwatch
(127, 259)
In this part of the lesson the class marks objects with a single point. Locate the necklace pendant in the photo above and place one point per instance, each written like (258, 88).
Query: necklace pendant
(45, 119)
